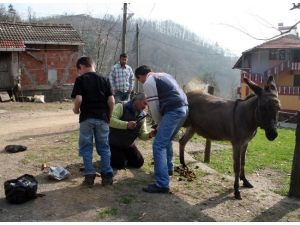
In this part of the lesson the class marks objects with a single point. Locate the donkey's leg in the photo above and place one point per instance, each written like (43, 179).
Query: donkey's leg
(237, 170)
(182, 142)
(246, 183)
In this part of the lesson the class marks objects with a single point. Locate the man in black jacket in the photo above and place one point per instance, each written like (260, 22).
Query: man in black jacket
(127, 123)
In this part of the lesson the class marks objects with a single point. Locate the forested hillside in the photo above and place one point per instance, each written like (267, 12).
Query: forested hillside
(163, 45)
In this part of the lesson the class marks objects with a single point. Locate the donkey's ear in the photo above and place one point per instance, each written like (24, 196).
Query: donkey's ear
(254, 87)
(271, 86)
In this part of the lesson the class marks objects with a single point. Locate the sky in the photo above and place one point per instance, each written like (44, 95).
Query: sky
(225, 22)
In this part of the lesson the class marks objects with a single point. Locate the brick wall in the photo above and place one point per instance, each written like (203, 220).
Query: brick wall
(38, 60)
(36, 63)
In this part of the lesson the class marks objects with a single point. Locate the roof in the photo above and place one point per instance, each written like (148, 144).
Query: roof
(289, 41)
(12, 46)
(38, 33)
(283, 42)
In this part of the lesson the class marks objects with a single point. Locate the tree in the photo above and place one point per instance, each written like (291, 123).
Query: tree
(31, 15)
(295, 174)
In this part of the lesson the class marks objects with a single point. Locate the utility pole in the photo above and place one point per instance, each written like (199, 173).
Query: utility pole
(137, 85)
(124, 28)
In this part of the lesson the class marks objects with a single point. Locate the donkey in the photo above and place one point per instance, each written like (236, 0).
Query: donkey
(236, 121)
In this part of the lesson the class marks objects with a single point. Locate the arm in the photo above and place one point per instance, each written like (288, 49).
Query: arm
(131, 80)
(115, 121)
(111, 104)
(77, 104)
(144, 134)
(152, 98)
(112, 80)
(120, 124)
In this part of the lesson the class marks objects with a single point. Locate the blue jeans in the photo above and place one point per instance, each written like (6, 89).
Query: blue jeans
(121, 96)
(162, 145)
(99, 129)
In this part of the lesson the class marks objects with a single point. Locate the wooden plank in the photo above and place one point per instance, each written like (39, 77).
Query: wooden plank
(4, 97)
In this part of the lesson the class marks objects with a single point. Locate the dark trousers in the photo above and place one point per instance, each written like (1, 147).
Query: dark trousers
(126, 157)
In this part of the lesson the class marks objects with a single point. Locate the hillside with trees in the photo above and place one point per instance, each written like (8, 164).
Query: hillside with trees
(163, 45)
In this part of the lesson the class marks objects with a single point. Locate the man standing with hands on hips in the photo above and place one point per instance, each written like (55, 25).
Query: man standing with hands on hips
(169, 109)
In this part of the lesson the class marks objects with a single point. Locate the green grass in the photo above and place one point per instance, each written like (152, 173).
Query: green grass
(106, 212)
(127, 199)
(261, 154)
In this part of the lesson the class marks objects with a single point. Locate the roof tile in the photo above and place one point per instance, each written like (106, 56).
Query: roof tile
(38, 33)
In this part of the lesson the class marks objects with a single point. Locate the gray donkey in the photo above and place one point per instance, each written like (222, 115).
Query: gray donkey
(236, 121)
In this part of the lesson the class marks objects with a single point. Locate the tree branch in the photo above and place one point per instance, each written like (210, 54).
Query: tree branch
(263, 39)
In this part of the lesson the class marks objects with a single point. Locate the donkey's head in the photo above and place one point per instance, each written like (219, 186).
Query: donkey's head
(268, 106)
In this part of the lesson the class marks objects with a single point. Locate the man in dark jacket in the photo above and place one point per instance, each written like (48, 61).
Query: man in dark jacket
(127, 123)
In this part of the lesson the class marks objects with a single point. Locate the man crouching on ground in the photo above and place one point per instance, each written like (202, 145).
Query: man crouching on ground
(127, 123)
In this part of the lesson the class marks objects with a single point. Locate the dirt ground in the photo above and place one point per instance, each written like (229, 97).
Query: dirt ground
(45, 128)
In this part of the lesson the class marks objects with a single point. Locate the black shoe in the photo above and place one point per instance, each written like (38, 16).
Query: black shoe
(89, 180)
(153, 188)
(107, 179)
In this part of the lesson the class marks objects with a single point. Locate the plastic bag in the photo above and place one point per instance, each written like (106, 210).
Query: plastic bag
(58, 173)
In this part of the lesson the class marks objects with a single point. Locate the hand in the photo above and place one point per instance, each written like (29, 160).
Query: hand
(152, 133)
(154, 126)
(76, 111)
(131, 125)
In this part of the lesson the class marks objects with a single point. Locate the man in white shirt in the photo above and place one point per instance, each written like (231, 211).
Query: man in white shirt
(169, 109)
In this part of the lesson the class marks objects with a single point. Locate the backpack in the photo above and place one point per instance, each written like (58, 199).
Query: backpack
(21, 190)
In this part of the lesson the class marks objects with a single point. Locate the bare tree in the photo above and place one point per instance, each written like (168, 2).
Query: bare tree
(281, 32)
(31, 17)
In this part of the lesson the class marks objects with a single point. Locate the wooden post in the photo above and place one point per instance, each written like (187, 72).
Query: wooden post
(124, 28)
(208, 141)
(137, 85)
(295, 174)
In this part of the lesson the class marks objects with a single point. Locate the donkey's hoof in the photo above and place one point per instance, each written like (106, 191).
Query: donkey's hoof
(237, 195)
(247, 184)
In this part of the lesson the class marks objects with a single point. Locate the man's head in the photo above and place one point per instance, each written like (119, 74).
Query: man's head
(139, 101)
(85, 64)
(123, 59)
(141, 73)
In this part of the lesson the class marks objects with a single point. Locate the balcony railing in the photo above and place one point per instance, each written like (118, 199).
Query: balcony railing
(256, 77)
(282, 67)
(288, 90)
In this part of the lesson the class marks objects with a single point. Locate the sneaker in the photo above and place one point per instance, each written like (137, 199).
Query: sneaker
(153, 188)
(89, 180)
(107, 179)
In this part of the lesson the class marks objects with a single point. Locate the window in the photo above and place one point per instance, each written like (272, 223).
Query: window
(296, 80)
(296, 55)
(273, 54)
(281, 54)
(52, 76)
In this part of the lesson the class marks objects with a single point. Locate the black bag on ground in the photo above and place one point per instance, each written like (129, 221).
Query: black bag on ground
(15, 148)
(21, 190)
